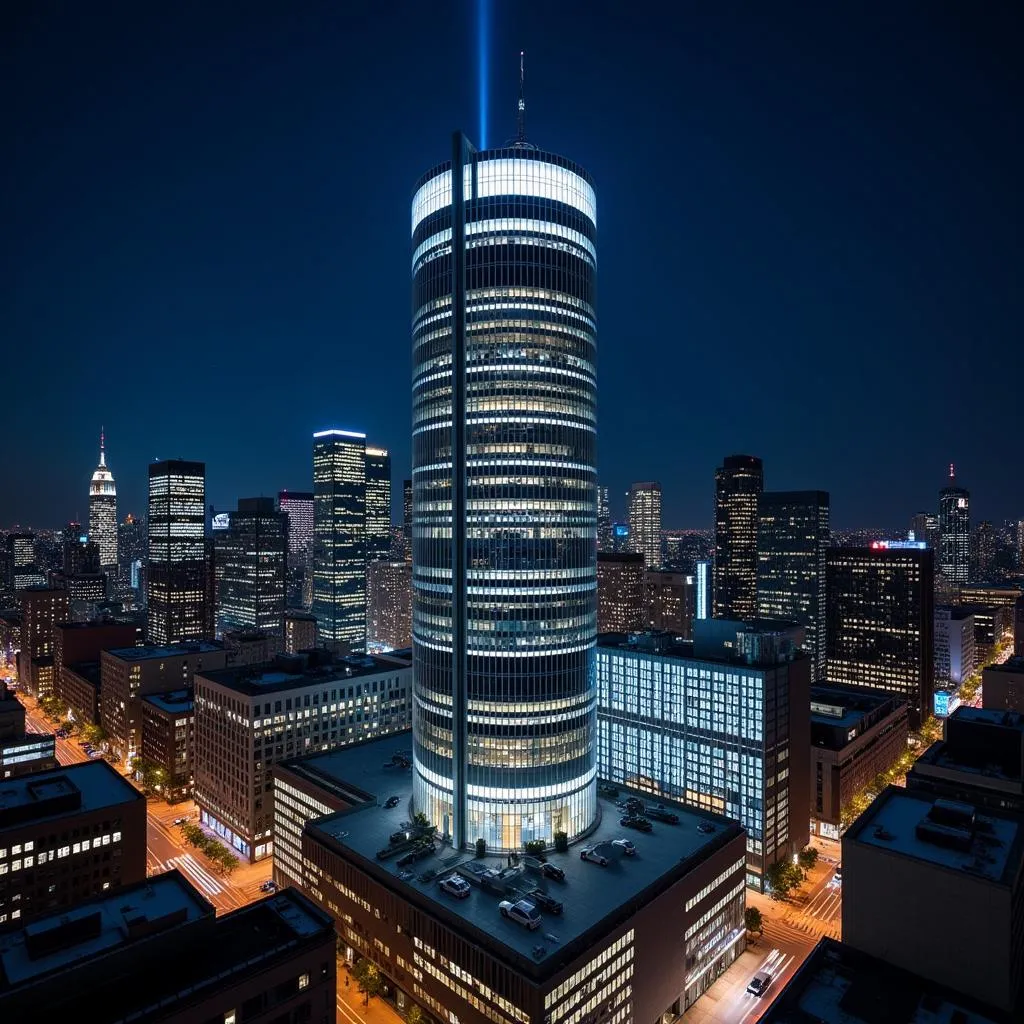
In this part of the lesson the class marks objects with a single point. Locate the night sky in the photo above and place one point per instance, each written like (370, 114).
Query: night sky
(810, 228)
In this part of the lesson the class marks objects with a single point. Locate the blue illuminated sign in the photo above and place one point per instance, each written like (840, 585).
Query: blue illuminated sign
(621, 530)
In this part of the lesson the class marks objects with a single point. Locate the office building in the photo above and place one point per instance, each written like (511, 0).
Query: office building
(954, 645)
(389, 604)
(979, 761)
(21, 753)
(1018, 628)
(79, 687)
(721, 724)
(299, 631)
(75, 642)
(23, 570)
(739, 482)
(177, 587)
(620, 538)
(993, 626)
(880, 622)
(670, 599)
(793, 536)
(12, 716)
(954, 532)
(339, 536)
(643, 512)
(168, 740)
(504, 580)
(837, 984)
(621, 597)
(250, 647)
(925, 526)
(378, 504)
(704, 575)
(156, 953)
(129, 673)
(460, 957)
(81, 555)
(103, 512)
(1002, 686)
(67, 835)
(41, 609)
(983, 550)
(298, 507)
(252, 568)
(855, 736)
(248, 719)
(1005, 595)
(910, 860)
(604, 521)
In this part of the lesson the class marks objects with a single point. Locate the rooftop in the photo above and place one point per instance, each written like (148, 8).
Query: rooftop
(72, 788)
(148, 653)
(88, 670)
(1015, 664)
(176, 702)
(594, 897)
(946, 834)
(837, 984)
(843, 708)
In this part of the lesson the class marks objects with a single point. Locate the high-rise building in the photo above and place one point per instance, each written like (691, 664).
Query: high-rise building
(339, 537)
(378, 504)
(407, 513)
(299, 631)
(925, 526)
(620, 591)
(879, 621)
(669, 602)
(703, 582)
(176, 585)
(604, 521)
(389, 604)
(738, 485)
(505, 499)
(103, 511)
(643, 511)
(954, 532)
(983, 550)
(298, 506)
(252, 568)
(22, 566)
(41, 609)
(792, 539)
(954, 645)
(132, 556)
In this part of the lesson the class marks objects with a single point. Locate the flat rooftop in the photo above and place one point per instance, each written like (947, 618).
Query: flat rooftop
(590, 893)
(1015, 664)
(167, 651)
(88, 670)
(98, 784)
(254, 680)
(844, 707)
(992, 851)
(177, 702)
(837, 984)
(990, 716)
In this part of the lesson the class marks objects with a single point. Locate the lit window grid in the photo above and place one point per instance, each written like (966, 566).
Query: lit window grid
(643, 514)
(734, 584)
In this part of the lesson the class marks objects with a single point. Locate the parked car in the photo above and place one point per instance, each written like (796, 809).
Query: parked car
(589, 853)
(181, 821)
(521, 912)
(706, 827)
(456, 885)
(269, 886)
(661, 814)
(392, 801)
(550, 871)
(759, 983)
(547, 903)
(633, 821)
(634, 804)
(626, 846)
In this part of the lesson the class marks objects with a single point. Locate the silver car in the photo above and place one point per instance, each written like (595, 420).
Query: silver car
(522, 913)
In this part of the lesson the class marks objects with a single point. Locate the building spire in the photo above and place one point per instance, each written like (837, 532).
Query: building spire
(952, 472)
(103, 445)
(521, 123)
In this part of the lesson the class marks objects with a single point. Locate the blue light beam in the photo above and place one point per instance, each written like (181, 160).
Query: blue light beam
(483, 28)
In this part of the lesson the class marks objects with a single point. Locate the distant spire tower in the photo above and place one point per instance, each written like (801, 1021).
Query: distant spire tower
(103, 509)
(521, 123)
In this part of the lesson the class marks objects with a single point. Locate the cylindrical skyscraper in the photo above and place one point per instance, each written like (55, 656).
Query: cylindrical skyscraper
(103, 511)
(503, 286)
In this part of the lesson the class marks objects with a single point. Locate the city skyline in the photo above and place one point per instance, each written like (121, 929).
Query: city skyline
(878, 314)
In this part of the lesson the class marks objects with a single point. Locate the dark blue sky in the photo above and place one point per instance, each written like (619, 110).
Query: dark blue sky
(810, 226)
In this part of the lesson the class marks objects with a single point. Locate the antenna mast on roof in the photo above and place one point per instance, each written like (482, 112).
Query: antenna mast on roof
(521, 133)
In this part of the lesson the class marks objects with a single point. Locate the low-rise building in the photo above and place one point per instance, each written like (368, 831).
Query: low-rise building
(299, 631)
(156, 953)
(1002, 686)
(993, 624)
(129, 673)
(249, 718)
(855, 736)
(80, 689)
(168, 739)
(65, 836)
(34, 752)
(250, 647)
(12, 715)
(75, 642)
(722, 724)
(909, 861)
(604, 955)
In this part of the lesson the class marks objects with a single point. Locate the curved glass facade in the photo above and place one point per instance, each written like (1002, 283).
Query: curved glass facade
(530, 497)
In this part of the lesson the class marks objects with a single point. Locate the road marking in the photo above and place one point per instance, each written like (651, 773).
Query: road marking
(187, 863)
(344, 1008)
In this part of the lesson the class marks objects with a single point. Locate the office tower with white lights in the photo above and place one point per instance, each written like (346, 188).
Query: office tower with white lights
(407, 515)
(339, 537)
(643, 512)
(604, 521)
(739, 482)
(792, 539)
(954, 532)
(378, 504)
(925, 526)
(389, 604)
(505, 496)
(298, 506)
(177, 561)
(103, 511)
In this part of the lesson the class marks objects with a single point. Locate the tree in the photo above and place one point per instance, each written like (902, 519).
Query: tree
(561, 842)
(808, 857)
(414, 1015)
(753, 921)
(481, 847)
(93, 734)
(420, 818)
(368, 978)
(783, 877)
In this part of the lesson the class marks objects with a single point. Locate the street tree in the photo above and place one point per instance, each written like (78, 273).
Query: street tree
(414, 1015)
(753, 921)
(808, 857)
(368, 978)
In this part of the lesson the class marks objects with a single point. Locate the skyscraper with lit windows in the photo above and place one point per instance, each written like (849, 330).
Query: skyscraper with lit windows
(643, 511)
(505, 498)
(378, 504)
(103, 511)
(339, 536)
(954, 532)
(738, 485)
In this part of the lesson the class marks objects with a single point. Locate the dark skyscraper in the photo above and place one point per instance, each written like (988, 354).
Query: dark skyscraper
(954, 532)
(378, 504)
(879, 623)
(339, 536)
(738, 484)
(604, 521)
(407, 514)
(792, 540)
(504, 610)
(177, 564)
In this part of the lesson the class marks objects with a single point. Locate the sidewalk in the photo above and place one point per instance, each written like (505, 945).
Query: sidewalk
(351, 1009)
